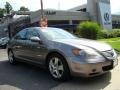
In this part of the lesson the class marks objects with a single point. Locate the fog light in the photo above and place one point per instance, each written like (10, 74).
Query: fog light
(93, 70)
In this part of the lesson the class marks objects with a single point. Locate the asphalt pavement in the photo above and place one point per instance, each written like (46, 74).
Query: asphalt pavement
(28, 77)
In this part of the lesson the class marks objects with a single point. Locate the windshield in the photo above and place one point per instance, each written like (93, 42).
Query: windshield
(55, 33)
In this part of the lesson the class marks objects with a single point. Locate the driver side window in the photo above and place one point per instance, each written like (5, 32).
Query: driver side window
(31, 33)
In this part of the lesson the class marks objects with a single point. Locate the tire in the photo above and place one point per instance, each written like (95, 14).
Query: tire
(11, 57)
(58, 67)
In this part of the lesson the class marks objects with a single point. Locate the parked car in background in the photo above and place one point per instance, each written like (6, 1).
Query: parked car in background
(4, 42)
(62, 53)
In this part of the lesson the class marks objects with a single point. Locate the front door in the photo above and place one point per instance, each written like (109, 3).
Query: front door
(35, 50)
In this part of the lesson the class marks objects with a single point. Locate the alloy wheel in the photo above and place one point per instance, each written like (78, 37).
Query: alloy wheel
(56, 67)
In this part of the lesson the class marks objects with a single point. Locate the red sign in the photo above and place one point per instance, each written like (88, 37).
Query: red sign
(43, 22)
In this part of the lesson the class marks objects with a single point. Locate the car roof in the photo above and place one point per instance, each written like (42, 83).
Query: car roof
(43, 28)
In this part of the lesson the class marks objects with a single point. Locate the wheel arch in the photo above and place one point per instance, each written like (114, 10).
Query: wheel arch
(67, 73)
(9, 49)
(56, 52)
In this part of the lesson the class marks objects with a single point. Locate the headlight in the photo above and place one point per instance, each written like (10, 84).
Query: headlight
(89, 54)
(78, 52)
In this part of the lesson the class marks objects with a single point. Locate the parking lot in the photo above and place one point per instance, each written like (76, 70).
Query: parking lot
(28, 77)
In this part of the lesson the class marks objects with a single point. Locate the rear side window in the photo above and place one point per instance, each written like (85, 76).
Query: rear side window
(21, 35)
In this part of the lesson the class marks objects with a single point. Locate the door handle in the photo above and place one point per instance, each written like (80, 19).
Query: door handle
(38, 47)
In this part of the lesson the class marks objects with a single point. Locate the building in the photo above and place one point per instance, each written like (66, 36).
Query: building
(95, 10)
(58, 17)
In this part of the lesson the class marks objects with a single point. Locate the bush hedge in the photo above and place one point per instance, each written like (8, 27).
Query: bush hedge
(109, 33)
(88, 30)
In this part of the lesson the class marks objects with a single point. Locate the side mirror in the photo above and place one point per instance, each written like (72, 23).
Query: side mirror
(35, 39)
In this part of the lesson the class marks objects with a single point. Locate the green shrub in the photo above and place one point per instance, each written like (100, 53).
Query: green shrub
(109, 34)
(116, 32)
(103, 34)
(88, 30)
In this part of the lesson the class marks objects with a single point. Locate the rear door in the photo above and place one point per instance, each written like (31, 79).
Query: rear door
(18, 44)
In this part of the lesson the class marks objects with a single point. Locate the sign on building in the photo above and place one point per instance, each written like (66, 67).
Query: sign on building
(105, 15)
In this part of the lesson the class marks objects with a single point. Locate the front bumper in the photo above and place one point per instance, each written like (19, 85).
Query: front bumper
(91, 69)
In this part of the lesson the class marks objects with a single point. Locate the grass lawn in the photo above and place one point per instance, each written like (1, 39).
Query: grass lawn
(114, 42)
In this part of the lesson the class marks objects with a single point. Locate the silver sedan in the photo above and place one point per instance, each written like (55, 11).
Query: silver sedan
(62, 53)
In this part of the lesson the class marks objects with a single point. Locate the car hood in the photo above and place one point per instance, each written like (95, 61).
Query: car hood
(85, 42)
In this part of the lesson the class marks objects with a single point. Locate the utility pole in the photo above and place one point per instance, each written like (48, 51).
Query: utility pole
(43, 21)
(42, 12)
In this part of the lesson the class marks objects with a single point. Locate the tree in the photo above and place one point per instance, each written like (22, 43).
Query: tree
(22, 8)
(1, 12)
(8, 7)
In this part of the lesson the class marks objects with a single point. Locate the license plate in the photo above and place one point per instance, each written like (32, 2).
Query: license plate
(115, 62)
